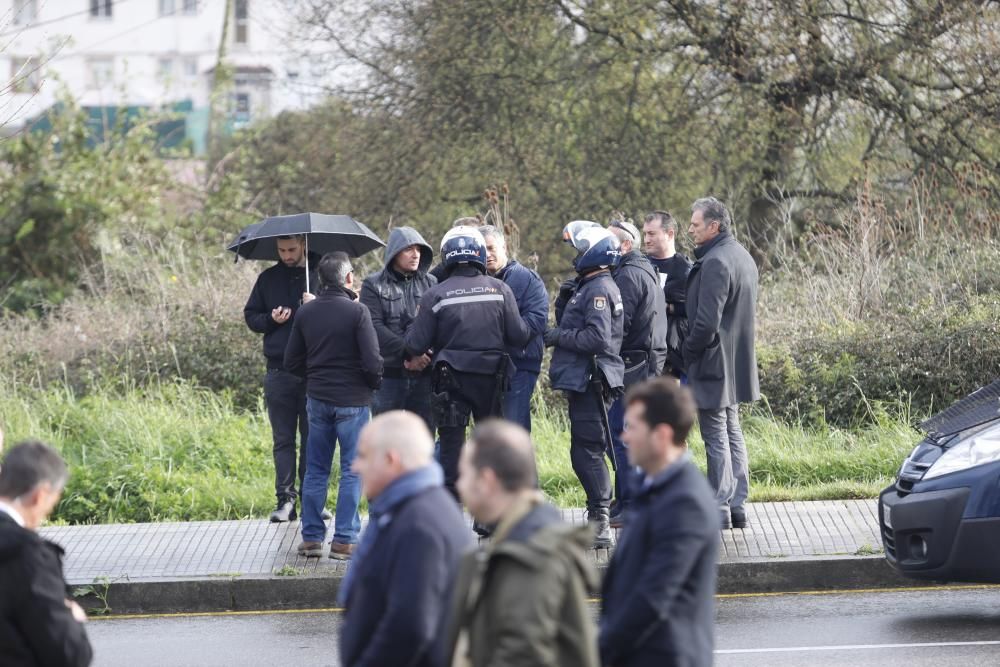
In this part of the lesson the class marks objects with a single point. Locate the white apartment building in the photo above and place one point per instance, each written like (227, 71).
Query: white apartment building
(153, 53)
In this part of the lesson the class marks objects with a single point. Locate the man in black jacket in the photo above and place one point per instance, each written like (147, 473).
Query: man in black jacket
(396, 590)
(658, 593)
(270, 310)
(660, 234)
(644, 345)
(334, 346)
(392, 296)
(469, 320)
(40, 624)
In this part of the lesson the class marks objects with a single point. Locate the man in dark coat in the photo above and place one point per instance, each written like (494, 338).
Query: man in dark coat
(40, 624)
(533, 305)
(719, 351)
(522, 599)
(270, 310)
(658, 593)
(334, 346)
(659, 232)
(586, 363)
(644, 345)
(468, 320)
(392, 296)
(396, 590)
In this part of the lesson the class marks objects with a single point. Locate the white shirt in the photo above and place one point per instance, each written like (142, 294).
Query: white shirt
(12, 513)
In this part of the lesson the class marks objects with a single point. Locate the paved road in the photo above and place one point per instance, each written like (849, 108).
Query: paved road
(954, 626)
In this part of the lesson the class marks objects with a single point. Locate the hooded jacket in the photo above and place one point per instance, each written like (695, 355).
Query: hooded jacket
(523, 599)
(36, 626)
(279, 285)
(392, 297)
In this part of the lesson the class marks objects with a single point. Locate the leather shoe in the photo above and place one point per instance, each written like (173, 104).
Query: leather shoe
(284, 512)
(739, 517)
(341, 551)
(601, 524)
(310, 549)
(726, 518)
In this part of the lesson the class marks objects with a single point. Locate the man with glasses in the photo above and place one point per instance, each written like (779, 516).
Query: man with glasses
(719, 351)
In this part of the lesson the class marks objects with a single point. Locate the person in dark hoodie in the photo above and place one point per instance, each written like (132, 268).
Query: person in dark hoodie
(533, 305)
(40, 624)
(395, 591)
(270, 310)
(334, 346)
(522, 599)
(392, 296)
(644, 346)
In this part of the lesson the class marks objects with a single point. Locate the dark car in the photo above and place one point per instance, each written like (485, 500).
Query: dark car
(941, 519)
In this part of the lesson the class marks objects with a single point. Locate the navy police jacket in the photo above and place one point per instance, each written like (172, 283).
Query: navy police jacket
(533, 305)
(468, 321)
(590, 326)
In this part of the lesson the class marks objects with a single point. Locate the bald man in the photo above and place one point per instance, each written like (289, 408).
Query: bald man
(522, 600)
(397, 586)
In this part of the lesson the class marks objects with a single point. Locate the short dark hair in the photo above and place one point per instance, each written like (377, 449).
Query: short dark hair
(29, 464)
(667, 222)
(333, 269)
(666, 402)
(301, 238)
(505, 448)
(713, 210)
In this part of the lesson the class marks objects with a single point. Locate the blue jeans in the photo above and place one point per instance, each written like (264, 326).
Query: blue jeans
(412, 392)
(627, 476)
(517, 401)
(329, 423)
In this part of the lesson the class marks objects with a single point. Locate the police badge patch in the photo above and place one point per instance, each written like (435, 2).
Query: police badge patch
(600, 303)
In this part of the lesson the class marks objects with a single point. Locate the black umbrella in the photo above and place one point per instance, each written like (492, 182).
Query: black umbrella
(324, 233)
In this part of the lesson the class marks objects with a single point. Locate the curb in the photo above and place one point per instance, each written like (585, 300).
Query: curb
(216, 594)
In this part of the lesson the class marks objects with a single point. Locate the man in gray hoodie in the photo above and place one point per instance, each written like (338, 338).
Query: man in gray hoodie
(392, 296)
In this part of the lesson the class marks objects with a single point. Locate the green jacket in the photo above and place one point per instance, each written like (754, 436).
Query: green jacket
(522, 600)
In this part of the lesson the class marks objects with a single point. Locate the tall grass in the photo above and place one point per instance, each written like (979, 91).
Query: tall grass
(173, 451)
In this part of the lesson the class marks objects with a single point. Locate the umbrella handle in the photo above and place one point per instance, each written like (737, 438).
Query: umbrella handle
(307, 262)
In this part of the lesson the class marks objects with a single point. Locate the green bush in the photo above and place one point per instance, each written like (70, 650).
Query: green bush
(925, 361)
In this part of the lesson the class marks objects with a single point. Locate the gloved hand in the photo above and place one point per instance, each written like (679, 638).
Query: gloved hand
(566, 289)
(551, 337)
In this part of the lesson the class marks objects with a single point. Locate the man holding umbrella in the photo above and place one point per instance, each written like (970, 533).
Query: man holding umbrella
(276, 296)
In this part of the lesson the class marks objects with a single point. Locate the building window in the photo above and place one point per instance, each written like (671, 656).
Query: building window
(190, 67)
(242, 15)
(165, 68)
(101, 9)
(190, 7)
(25, 12)
(101, 72)
(25, 75)
(167, 7)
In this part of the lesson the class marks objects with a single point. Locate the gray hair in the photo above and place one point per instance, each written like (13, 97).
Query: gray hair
(467, 221)
(713, 210)
(333, 269)
(489, 230)
(29, 464)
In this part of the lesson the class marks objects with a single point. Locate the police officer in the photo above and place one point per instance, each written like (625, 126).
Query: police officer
(467, 321)
(586, 362)
(644, 345)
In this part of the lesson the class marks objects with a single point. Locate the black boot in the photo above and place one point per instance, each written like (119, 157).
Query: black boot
(601, 523)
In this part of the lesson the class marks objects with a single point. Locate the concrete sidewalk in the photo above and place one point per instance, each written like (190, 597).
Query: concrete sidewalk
(253, 564)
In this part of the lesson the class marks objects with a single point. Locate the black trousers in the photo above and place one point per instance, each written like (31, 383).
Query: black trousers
(587, 448)
(474, 397)
(285, 398)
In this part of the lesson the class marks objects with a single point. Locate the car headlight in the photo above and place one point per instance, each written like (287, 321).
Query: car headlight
(976, 450)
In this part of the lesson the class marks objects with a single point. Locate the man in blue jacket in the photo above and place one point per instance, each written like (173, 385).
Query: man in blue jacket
(533, 305)
(392, 296)
(586, 362)
(659, 591)
(397, 589)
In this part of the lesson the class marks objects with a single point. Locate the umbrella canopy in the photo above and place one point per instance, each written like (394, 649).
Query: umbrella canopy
(325, 233)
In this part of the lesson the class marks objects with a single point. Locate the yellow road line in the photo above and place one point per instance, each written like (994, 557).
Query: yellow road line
(721, 596)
